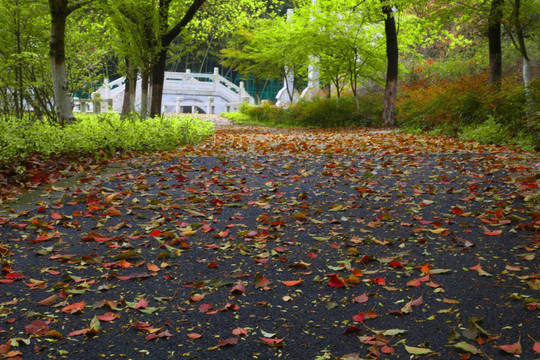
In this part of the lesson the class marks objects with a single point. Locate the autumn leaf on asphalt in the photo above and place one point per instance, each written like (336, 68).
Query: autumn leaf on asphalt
(378, 281)
(239, 331)
(408, 307)
(109, 316)
(204, 308)
(360, 317)
(481, 272)
(228, 342)
(361, 299)
(37, 327)
(462, 345)
(141, 304)
(261, 281)
(74, 308)
(512, 348)
(79, 332)
(536, 346)
(48, 301)
(194, 336)
(292, 282)
(337, 281)
(273, 342)
(155, 233)
(493, 233)
(238, 289)
(152, 267)
(416, 350)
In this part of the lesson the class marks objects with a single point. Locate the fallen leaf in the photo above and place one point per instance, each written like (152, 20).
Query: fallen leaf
(336, 282)
(37, 327)
(273, 342)
(261, 281)
(74, 308)
(462, 345)
(512, 348)
(152, 267)
(417, 350)
(360, 299)
(227, 342)
(292, 282)
(239, 331)
(141, 304)
(108, 316)
(48, 301)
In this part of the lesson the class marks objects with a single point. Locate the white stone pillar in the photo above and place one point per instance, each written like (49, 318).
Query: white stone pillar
(216, 78)
(242, 91)
(210, 105)
(312, 89)
(106, 92)
(285, 96)
(179, 105)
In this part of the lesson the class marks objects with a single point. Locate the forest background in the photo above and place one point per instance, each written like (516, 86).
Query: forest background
(460, 68)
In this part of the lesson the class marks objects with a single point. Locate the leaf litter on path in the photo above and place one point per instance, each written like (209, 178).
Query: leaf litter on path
(291, 234)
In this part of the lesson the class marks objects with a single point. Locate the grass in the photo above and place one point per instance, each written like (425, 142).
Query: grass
(92, 133)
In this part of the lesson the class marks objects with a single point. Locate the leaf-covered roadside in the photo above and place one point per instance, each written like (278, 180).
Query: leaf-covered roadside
(33, 153)
(300, 244)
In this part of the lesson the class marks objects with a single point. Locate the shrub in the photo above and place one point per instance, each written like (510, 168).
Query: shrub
(489, 132)
(317, 113)
(459, 106)
(90, 133)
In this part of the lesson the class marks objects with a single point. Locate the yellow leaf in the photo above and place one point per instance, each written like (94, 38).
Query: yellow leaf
(417, 350)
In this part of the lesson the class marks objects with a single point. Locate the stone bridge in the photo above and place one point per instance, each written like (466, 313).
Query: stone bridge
(182, 92)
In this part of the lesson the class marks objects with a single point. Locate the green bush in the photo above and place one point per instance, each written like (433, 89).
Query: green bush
(317, 113)
(489, 132)
(470, 107)
(90, 133)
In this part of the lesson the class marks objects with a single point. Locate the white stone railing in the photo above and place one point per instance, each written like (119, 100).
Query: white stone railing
(95, 106)
(210, 107)
(195, 89)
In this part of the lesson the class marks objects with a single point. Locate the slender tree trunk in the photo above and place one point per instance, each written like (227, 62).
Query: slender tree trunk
(130, 91)
(127, 89)
(133, 90)
(158, 68)
(392, 55)
(62, 98)
(519, 43)
(158, 77)
(495, 46)
(18, 93)
(144, 93)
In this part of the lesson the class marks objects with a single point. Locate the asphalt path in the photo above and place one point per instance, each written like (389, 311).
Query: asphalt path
(265, 244)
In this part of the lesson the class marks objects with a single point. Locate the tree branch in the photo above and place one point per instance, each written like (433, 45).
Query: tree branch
(79, 4)
(177, 29)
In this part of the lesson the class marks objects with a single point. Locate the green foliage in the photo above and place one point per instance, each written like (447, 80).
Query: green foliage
(489, 132)
(317, 113)
(21, 137)
(24, 61)
(468, 107)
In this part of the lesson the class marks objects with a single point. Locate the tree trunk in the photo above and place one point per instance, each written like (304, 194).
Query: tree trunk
(392, 55)
(519, 43)
(495, 46)
(59, 12)
(127, 90)
(158, 77)
(130, 91)
(158, 68)
(144, 93)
